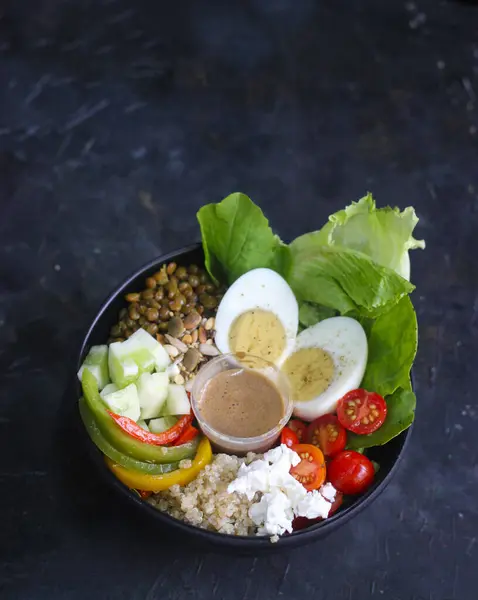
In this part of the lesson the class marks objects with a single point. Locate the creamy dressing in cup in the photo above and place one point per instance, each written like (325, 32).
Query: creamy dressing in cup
(241, 402)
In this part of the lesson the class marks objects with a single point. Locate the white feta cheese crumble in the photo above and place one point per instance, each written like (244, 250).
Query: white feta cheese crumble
(313, 505)
(328, 492)
(281, 497)
(273, 513)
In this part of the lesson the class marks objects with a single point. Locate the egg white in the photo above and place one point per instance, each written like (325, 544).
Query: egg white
(258, 289)
(345, 341)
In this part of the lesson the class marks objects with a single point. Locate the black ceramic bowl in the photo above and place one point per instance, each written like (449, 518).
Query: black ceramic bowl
(387, 456)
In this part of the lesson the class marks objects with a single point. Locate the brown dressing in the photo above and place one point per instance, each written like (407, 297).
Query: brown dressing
(241, 403)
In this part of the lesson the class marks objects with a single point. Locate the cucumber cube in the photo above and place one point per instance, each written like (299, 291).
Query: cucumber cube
(109, 389)
(177, 402)
(96, 362)
(152, 393)
(142, 355)
(124, 402)
(142, 339)
(123, 369)
(162, 424)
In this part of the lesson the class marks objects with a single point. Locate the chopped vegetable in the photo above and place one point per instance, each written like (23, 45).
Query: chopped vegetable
(96, 362)
(288, 437)
(109, 389)
(121, 440)
(157, 483)
(188, 434)
(299, 428)
(119, 457)
(362, 412)
(310, 472)
(350, 472)
(152, 393)
(140, 353)
(141, 339)
(162, 424)
(155, 439)
(124, 402)
(400, 414)
(123, 369)
(327, 434)
(177, 402)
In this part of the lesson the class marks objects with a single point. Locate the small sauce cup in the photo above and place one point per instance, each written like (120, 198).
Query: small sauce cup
(226, 362)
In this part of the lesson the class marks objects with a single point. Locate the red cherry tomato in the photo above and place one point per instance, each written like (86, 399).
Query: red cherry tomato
(350, 472)
(327, 434)
(303, 522)
(299, 428)
(362, 412)
(288, 437)
(310, 472)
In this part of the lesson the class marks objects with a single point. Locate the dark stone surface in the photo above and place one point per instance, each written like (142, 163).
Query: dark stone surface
(117, 121)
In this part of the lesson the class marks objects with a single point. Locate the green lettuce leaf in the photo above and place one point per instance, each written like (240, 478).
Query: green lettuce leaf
(400, 414)
(383, 234)
(236, 238)
(310, 314)
(392, 346)
(357, 264)
(345, 280)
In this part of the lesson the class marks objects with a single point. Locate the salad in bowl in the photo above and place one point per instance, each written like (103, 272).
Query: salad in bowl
(247, 394)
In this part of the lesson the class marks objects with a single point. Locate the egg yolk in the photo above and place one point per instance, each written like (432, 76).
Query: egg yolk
(310, 372)
(258, 332)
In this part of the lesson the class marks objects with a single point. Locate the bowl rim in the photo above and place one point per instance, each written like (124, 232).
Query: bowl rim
(297, 538)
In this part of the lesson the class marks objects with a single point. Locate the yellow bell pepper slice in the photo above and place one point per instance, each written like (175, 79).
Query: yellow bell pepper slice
(157, 483)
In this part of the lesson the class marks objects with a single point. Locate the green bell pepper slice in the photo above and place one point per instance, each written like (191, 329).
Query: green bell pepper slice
(108, 450)
(121, 440)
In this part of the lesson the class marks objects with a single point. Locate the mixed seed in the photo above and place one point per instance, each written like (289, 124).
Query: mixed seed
(186, 348)
(178, 307)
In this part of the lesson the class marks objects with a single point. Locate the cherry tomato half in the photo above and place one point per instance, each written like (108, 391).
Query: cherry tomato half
(299, 428)
(303, 522)
(362, 412)
(310, 472)
(350, 472)
(288, 437)
(327, 434)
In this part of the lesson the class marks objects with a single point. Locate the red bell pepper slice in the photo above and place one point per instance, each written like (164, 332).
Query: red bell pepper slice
(189, 434)
(155, 439)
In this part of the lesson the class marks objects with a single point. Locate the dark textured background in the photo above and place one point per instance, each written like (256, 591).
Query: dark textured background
(117, 121)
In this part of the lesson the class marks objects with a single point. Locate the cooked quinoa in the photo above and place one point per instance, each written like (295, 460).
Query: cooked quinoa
(205, 501)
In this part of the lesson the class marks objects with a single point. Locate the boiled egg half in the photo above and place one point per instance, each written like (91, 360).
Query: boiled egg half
(258, 315)
(328, 360)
